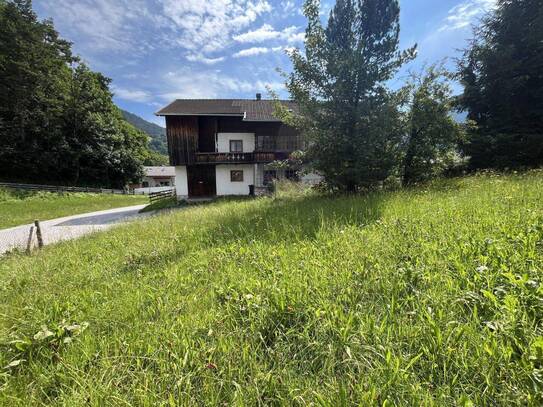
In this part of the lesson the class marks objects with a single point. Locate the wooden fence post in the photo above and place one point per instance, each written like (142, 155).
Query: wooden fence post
(38, 233)
(29, 242)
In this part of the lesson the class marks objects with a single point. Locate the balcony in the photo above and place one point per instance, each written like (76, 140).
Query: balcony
(238, 158)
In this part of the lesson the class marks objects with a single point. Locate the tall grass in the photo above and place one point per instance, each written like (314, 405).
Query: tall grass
(21, 207)
(428, 296)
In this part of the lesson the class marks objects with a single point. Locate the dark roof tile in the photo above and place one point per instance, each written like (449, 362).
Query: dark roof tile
(250, 109)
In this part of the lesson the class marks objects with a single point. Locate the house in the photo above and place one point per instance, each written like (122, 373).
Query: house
(225, 146)
(155, 179)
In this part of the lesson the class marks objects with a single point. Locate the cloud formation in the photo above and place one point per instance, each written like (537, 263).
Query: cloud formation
(132, 95)
(185, 83)
(203, 59)
(267, 32)
(121, 26)
(156, 50)
(465, 13)
(208, 25)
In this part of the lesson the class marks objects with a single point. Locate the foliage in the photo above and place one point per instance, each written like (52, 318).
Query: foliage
(22, 207)
(58, 123)
(432, 133)
(432, 295)
(152, 158)
(352, 121)
(46, 343)
(100, 147)
(503, 87)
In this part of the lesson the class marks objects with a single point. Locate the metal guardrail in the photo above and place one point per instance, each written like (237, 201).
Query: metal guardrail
(158, 196)
(58, 188)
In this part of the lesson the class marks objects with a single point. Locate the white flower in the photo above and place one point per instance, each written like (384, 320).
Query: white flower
(482, 269)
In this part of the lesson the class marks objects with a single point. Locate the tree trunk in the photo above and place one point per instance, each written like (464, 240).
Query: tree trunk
(407, 177)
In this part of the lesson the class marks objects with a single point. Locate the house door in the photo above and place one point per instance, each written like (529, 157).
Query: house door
(201, 180)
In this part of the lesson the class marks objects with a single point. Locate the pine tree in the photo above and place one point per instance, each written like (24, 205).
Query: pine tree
(350, 118)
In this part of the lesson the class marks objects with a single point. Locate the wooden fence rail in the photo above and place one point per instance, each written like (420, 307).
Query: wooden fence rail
(58, 188)
(158, 196)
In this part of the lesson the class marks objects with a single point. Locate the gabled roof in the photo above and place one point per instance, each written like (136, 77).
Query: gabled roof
(251, 110)
(164, 171)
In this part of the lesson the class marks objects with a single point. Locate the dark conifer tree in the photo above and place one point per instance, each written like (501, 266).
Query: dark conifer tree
(503, 87)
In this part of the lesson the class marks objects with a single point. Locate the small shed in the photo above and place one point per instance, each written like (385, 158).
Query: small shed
(158, 177)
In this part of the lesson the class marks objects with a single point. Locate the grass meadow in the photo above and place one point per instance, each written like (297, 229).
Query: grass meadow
(427, 296)
(21, 207)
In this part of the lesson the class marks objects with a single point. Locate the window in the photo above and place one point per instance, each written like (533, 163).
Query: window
(265, 143)
(236, 176)
(145, 184)
(236, 146)
(269, 176)
(164, 183)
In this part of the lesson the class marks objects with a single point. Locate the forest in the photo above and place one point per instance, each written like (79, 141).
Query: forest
(58, 123)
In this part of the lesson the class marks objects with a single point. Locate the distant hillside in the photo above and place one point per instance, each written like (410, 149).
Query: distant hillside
(157, 133)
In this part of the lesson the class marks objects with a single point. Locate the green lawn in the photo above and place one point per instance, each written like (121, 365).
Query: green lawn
(19, 207)
(431, 296)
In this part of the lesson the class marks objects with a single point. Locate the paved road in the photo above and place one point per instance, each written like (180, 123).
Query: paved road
(69, 227)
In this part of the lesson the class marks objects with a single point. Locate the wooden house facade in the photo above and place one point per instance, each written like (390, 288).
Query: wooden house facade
(224, 146)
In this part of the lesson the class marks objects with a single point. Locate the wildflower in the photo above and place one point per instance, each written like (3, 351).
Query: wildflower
(482, 269)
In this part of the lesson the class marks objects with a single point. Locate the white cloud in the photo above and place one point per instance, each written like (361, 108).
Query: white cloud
(464, 14)
(132, 95)
(267, 32)
(251, 51)
(203, 59)
(104, 25)
(248, 52)
(136, 27)
(209, 84)
(288, 7)
(208, 25)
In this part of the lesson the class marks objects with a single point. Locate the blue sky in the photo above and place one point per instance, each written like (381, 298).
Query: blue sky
(159, 50)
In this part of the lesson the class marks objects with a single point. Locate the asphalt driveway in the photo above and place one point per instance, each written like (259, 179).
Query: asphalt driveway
(69, 227)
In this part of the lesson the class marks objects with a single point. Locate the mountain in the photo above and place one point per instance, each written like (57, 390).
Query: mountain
(157, 133)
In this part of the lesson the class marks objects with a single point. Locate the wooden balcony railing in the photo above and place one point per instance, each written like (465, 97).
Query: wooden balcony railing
(237, 158)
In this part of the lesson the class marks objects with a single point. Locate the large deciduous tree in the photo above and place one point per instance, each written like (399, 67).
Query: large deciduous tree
(34, 75)
(350, 118)
(432, 134)
(503, 87)
(58, 122)
(100, 146)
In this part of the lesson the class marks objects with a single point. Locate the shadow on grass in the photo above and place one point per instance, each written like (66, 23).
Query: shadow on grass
(281, 220)
(285, 219)
(168, 203)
